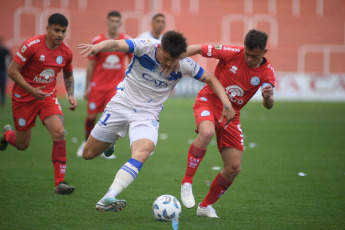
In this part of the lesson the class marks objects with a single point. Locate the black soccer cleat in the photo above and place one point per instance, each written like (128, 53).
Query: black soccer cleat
(3, 142)
(63, 188)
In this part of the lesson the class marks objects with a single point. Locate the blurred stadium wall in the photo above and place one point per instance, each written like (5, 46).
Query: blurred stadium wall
(306, 37)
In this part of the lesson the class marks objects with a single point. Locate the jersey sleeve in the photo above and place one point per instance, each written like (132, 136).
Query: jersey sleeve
(191, 68)
(24, 54)
(139, 46)
(68, 67)
(270, 76)
(219, 51)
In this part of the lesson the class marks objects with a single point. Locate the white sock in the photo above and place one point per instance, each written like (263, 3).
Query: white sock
(124, 177)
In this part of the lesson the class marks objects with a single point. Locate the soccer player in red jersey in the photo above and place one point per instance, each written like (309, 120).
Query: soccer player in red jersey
(242, 71)
(105, 71)
(34, 70)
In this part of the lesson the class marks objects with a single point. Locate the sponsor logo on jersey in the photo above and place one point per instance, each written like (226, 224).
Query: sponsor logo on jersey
(112, 62)
(209, 50)
(218, 47)
(205, 113)
(59, 60)
(156, 82)
(233, 69)
(21, 56)
(46, 76)
(42, 58)
(23, 49)
(234, 91)
(34, 42)
(255, 81)
(237, 50)
(21, 122)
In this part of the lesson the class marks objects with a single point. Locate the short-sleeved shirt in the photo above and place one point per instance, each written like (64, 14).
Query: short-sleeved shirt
(239, 81)
(40, 66)
(144, 87)
(109, 69)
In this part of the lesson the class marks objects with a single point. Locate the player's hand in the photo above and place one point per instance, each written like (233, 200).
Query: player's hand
(87, 49)
(73, 102)
(267, 91)
(166, 70)
(38, 93)
(228, 114)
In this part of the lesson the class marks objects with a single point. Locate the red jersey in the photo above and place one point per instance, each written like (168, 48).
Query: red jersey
(239, 81)
(41, 65)
(109, 68)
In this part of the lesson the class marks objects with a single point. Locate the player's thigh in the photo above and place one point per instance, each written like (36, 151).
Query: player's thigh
(23, 139)
(55, 126)
(94, 148)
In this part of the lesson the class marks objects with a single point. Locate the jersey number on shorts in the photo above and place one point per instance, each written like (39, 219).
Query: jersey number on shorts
(105, 116)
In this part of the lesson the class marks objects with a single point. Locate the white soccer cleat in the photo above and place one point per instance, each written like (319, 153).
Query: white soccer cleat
(209, 211)
(111, 157)
(187, 195)
(80, 149)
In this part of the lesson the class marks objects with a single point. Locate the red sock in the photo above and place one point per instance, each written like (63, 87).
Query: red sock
(218, 188)
(59, 160)
(195, 156)
(10, 137)
(89, 124)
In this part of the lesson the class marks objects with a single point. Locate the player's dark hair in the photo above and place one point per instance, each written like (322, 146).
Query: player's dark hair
(58, 19)
(114, 13)
(174, 43)
(255, 39)
(158, 15)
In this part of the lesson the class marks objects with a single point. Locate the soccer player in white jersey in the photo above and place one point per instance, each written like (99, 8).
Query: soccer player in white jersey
(139, 100)
(158, 25)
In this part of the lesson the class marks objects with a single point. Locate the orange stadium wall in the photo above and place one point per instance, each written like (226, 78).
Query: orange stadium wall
(306, 37)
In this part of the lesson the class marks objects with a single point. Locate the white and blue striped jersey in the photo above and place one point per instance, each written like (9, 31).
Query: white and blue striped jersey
(143, 87)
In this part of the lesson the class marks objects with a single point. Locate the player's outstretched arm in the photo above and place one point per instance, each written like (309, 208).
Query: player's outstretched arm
(69, 85)
(104, 46)
(217, 87)
(192, 50)
(267, 94)
(17, 77)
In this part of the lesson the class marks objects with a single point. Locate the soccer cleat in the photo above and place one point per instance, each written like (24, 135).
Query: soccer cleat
(111, 157)
(110, 150)
(80, 149)
(110, 204)
(187, 195)
(208, 211)
(3, 142)
(64, 188)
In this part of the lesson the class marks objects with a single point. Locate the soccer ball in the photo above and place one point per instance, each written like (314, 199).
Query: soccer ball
(166, 207)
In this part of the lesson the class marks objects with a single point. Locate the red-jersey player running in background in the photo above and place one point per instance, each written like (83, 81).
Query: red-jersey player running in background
(34, 71)
(105, 71)
(242, 71)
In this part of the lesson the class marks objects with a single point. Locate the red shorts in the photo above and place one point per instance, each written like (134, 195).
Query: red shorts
(98, 100)
(25, 113)
(232, 137)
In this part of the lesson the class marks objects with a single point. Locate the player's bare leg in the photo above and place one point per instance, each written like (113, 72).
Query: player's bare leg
(23, 139)
(89, 124)
(196, 153)
(94, 148)
(55, 126)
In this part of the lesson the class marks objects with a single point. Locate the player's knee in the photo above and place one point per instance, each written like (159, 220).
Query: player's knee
(59, 134)
(22, 146)
(233, 170)
(206, 135)
(87, 154)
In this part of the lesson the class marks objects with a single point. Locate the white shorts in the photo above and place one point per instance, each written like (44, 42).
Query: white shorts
(118, 119)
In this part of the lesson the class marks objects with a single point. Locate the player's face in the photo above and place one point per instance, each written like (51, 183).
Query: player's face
(254, 57)
(114, 24)
(56, 34)
(158, 24)
(164, 58)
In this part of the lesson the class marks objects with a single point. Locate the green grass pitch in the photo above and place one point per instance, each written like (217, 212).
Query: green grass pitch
(268, 194)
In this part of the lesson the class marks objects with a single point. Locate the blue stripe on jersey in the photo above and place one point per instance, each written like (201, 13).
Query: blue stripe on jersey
(135, 163)
(147, 62)
(199, 74)
(130, 171)
(130, 66)
(131, 45)
(174, 76)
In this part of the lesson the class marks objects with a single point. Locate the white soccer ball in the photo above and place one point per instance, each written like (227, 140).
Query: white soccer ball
(166, 207)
